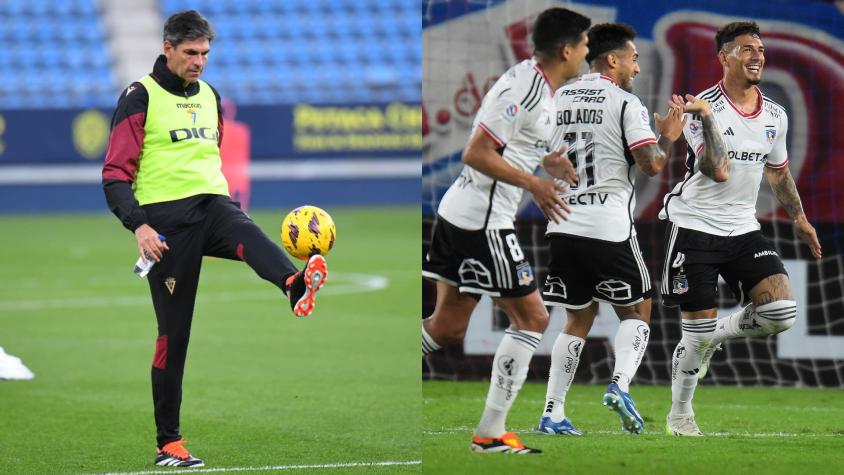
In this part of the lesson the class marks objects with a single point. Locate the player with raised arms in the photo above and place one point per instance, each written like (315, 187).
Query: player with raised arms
(474, 249)
(595, 256)
(735, 133)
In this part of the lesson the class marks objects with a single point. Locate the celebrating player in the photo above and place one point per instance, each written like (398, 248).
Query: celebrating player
(162, 179)
(595, 256)
(734, 134)
(474, 250)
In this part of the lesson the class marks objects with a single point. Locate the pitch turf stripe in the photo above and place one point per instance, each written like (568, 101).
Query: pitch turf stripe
(268, 468)
(262, 170)
(353, 283)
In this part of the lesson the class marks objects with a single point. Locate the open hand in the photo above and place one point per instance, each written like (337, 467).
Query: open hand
(558, 165)
(806, 232)
(696, 105)
(672, 125)
(546, 194)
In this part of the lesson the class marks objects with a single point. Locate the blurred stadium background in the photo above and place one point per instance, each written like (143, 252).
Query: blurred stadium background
(326, 103)
(330, 91)
(466, 46)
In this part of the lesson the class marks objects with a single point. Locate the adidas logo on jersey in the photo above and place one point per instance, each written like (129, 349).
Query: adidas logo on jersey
(729, 131)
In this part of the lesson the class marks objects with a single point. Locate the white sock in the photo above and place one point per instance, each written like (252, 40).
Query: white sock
(685, 364)
(768, 319)
(564, 359)
(428, 343)
(509, 371)
(630, 343)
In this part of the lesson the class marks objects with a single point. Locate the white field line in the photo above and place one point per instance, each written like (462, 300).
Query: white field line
(270, 468)
(715, 405)
(259, 170)
(468, 431)
(353, 283)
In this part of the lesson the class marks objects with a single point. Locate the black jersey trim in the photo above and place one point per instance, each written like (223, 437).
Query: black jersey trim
(532, 91)
(768, 99)
(711, 92)
(629, 203)
(537, 97)
(536, 103)
(491, 199)
(628, 155)
(690, 164)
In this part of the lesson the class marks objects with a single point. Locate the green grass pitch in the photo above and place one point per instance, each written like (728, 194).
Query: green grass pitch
(262, 388)
(751, 431)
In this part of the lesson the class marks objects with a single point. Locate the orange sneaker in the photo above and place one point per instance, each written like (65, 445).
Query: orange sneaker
(508, 443)
(174, 454)
(303, 285)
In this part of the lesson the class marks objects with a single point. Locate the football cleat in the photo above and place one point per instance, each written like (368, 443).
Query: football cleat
(303, 285)
(707, 357)
(174, 454)
(621, 403)
(682, 424)
(508, 443)
(547, 426)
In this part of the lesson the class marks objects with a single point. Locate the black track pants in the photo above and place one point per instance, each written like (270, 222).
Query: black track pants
(214, 226)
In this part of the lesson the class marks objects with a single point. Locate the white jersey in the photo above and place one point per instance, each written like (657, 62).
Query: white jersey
(518, 114)
(601, 124)
(753, 141)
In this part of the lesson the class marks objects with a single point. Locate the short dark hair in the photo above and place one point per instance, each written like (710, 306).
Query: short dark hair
(730, 31)
(555, 27)
(608, 37)
(187, 25)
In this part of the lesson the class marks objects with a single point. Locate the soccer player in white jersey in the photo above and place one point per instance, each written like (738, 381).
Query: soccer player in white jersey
(595, 256)
(474, 250)
(735, 134)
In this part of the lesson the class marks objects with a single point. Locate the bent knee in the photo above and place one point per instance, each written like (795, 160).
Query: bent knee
(777, 316)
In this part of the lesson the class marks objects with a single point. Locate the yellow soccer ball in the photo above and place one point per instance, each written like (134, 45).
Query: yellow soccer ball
(308, 230)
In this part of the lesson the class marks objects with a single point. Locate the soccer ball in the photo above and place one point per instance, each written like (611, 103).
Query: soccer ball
(308, 230)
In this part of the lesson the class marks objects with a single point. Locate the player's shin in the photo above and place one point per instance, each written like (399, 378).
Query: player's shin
(685, 364)
(630, 343)
(509, 371)
(768, 319)
(565, 356)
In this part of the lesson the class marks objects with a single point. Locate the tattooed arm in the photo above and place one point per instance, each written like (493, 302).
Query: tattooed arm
(783, 185)
(714, 161)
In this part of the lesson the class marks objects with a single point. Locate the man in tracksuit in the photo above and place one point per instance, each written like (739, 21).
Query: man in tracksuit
(162, 178)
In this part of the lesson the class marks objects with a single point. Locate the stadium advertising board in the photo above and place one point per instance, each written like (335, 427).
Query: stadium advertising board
(289, 132)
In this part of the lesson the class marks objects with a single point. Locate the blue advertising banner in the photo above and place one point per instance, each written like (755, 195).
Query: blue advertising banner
(286, 132)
